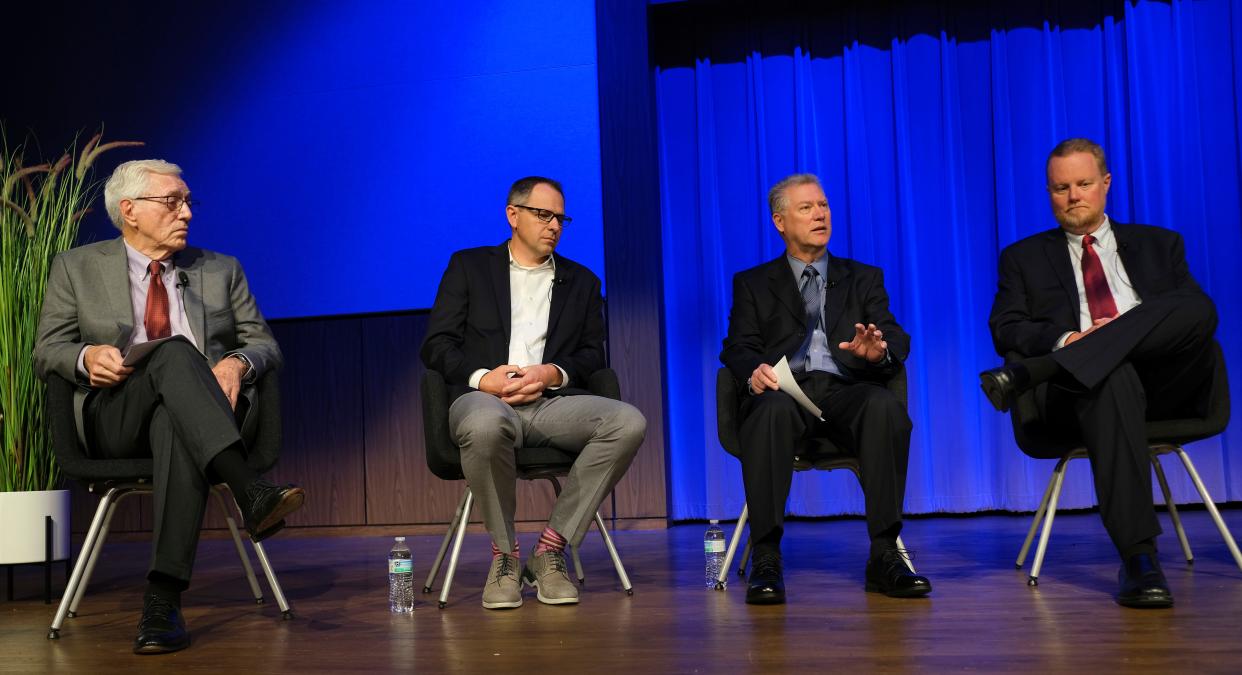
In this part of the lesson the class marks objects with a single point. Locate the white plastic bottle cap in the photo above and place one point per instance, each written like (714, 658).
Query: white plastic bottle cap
(400, 538)
(714, 522)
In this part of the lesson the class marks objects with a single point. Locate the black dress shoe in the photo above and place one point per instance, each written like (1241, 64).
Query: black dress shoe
(1000, 385)
(1142, 583)
(161, 629)
(889, 574)
(767, 584)
(265, 506)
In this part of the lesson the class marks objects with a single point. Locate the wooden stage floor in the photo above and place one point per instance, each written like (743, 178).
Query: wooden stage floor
(981, 616)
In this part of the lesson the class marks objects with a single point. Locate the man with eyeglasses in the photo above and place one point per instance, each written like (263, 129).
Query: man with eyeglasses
(517, 330)
(186, 402)
(1115, 331)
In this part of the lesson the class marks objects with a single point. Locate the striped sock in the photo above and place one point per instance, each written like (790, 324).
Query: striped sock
(550, 540)
(496, 551)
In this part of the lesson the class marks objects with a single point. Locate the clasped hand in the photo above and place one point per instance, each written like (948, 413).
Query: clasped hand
(516, 385)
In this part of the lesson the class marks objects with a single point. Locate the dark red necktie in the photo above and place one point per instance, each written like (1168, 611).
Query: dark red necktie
(156, 320)
(1099, 298)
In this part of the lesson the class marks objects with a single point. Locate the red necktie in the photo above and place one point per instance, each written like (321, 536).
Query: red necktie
(156, 320)
(1099, 298)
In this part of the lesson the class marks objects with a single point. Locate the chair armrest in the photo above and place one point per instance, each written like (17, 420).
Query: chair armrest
(443, 457)
(728, 403)
(604, 382)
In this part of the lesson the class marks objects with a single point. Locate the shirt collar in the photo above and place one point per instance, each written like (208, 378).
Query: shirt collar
(797, 266)
(140, 264)
(1103, 236)
(549, 264)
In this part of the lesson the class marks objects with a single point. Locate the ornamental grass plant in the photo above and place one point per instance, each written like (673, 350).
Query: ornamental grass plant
(41, 207)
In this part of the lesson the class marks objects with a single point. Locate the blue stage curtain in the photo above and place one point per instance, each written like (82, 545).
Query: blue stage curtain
(929, 124)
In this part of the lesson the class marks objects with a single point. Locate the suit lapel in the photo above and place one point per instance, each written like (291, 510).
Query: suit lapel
(114, 271)
(835, 295)
(561, 283)
(785, 288)
(1057, 252)
(500, 287)
(192, 300)
(1128, 248)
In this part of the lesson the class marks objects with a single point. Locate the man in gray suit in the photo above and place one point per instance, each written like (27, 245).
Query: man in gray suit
(181, 404)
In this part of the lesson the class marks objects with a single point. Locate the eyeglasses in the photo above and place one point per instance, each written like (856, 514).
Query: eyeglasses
(171, 202)
(545, 215)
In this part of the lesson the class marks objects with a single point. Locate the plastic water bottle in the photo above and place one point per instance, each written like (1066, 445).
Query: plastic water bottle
(714, 550)
(400, 578)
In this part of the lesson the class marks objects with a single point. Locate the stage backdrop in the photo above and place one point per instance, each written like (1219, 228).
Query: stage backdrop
(342, 150)
(929, 124)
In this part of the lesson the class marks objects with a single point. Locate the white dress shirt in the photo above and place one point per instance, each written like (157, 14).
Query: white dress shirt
(1124, 295)
(530, 304)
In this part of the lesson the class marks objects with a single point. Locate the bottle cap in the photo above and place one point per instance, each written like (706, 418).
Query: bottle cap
(713, 522)
(400, 538)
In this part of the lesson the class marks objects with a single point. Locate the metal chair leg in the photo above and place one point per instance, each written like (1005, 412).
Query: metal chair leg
(285, 612)
(461, 535)
(71, 588)
(255, 590)
(93, 554)
(745, 561)
(1059, 473)
(444, 543)
(573, 552)
(1173, 515)
(722, 577)
(1211, 506)
(1039, 515)
(612, 552)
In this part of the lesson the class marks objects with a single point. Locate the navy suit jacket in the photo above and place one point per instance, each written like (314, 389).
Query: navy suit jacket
(1037, 296)
(768, 319)
(470, 321)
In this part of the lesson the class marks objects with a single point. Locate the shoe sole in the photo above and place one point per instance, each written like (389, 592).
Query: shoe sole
(290, 502)
(545, 599)
(1152, 603)
(992, 391)
(911, 593)
(508, 604)
(766, 600)
(150, 650)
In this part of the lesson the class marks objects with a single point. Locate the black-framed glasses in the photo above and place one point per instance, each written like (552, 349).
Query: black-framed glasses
(544, 215)
(171, 202)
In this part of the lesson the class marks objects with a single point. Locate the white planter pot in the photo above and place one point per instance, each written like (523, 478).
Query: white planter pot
(22, 525)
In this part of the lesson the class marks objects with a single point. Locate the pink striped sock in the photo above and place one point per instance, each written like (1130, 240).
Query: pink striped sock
(550, 540)
(516, 549)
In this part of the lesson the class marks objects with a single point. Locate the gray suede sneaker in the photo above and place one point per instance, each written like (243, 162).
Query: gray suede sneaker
(550, 577)
(503, 589)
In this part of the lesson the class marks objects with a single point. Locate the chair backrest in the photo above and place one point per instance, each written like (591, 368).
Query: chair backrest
(444, 457)
(729, 397)
(1041, 440)
(75, 463)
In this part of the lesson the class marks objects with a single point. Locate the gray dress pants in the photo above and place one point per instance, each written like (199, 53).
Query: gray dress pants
(605, 434)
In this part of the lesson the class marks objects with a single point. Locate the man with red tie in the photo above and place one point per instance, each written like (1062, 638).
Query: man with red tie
(185, 404)
(1115, 331)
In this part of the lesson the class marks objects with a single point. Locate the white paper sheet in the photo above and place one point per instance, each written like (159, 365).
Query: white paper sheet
(785, 378)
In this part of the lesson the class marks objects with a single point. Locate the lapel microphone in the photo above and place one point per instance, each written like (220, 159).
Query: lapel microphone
(558, 281)
(183, 279)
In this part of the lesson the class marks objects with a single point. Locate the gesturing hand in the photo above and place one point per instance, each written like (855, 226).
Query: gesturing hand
(105, 366)
(868, 343)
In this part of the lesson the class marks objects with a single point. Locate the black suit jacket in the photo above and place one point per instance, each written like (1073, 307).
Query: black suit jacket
(1037, 296)
(470, 321)
(768, 319)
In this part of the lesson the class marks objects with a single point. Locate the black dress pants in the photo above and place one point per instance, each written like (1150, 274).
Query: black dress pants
(864, 418)
(170, 408)
(1154, 362)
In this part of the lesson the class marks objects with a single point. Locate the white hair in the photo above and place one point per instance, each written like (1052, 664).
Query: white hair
(778, 200)
(129, 181)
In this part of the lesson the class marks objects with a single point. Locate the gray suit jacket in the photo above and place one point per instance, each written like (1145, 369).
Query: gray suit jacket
(88, 303)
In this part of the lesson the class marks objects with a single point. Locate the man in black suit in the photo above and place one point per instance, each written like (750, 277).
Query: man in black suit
(830, 317)
(180, 405)
(1115, 331)
(517, 331)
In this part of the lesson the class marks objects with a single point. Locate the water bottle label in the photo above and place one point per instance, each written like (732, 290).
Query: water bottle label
(714, 546)
(400, 566)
